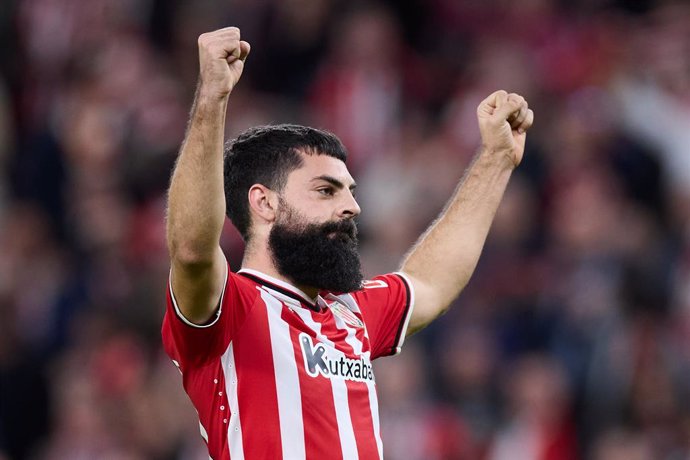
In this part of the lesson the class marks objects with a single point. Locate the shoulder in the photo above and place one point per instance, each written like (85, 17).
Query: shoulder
(396, 281)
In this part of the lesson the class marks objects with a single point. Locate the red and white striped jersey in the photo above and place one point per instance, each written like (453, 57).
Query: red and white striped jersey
(278, 375)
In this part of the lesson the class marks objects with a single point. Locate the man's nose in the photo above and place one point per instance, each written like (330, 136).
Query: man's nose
(350, 207)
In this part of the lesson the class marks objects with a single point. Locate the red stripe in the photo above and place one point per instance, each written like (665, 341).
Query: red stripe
(358, 396)
(333, 333)
(318, 408)
(257, 394)
(206, 388)
(362, 423)
(361, 332)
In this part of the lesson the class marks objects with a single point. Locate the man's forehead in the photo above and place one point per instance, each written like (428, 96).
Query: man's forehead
(315, 166)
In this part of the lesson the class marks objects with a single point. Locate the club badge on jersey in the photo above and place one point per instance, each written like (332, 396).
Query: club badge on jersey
(344, 313)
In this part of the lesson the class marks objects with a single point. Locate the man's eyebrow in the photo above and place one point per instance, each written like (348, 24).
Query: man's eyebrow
(334, 182)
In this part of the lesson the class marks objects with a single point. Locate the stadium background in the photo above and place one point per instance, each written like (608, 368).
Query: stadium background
(572, 340)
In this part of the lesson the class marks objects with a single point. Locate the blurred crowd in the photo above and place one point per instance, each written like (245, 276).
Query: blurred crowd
(572, 341)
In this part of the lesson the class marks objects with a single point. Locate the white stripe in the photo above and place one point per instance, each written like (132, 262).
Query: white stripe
(202, 430)
(348, 443)
(371, 386)
(374, 406)
(287, 380)
(356, 344)
(349, 301)
(234, 427)
(351, 338)
(352, 303)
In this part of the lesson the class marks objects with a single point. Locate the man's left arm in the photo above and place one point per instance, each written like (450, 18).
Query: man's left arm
(441, 262)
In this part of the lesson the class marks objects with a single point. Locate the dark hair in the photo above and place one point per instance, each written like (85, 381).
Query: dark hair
(266, 155)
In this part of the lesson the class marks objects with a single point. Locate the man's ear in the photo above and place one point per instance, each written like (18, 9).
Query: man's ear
(263, 203)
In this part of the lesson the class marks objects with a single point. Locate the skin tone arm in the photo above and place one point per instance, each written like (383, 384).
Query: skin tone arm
(442, 261)
(196, 200)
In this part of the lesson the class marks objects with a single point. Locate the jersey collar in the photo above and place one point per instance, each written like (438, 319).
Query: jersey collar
(280, 286)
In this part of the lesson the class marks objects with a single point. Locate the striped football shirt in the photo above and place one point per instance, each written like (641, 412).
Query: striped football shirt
(276, 374)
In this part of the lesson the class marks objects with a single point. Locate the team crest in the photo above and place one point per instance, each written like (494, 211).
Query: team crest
(344, 313)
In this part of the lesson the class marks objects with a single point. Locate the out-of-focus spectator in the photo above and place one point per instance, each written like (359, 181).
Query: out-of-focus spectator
(622, 445)
(539, 423)
(413, 424)
(468, 366)
(571, 341)
(359, 91)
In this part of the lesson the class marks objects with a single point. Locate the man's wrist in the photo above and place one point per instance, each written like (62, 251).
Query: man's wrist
(207, 93)
(208, 104)
(502, 158)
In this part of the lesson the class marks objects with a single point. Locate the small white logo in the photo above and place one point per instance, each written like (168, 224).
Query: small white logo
(344, 313)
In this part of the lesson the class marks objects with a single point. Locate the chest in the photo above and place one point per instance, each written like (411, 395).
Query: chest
(330, 344)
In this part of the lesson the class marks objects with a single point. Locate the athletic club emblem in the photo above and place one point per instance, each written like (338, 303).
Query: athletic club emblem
(344, 313)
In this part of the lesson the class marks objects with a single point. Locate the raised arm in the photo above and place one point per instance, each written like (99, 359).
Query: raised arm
(442, 261)
(196, 200)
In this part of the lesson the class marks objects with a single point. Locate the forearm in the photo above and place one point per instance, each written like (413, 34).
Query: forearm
(446, 255)
(196, 199)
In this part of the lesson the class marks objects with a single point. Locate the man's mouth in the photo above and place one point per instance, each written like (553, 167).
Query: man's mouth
(342, 236)
(341, 231)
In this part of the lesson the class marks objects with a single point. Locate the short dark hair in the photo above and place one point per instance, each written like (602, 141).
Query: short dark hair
(266, 155)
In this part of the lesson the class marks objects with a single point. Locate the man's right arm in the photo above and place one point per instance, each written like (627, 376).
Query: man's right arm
(196, 198)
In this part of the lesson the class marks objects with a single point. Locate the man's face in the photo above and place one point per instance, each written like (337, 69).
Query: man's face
(313, 241)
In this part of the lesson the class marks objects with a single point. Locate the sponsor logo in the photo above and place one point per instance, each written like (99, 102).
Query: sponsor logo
(318, 361)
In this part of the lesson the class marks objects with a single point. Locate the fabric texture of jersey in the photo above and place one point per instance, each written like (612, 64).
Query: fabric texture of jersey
(278, 375)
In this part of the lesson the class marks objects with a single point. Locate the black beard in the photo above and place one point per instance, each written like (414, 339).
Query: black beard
(321, 256)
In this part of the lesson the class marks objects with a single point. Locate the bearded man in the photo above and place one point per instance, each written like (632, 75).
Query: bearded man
(276, 358)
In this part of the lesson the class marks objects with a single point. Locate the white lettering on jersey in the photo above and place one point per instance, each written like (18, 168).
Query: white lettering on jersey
(318, 361)
(374, 284)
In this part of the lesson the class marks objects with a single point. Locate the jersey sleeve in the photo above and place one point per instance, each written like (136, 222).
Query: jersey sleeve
(386, 304)
(190, 344)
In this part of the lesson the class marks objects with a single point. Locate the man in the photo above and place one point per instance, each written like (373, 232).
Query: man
(277, 357)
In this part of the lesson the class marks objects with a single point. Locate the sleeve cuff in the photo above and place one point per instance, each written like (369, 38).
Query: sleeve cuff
(182, 318)
(405, 321)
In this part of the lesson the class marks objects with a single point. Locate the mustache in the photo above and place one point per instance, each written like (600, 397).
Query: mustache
(345, 227)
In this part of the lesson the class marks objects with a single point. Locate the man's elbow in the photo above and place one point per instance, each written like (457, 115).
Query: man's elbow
(191, 256)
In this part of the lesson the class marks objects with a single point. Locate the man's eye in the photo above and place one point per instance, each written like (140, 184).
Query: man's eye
(328, 191)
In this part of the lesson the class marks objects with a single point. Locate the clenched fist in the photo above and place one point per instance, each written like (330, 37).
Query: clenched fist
(503, 123)
(221, 61)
